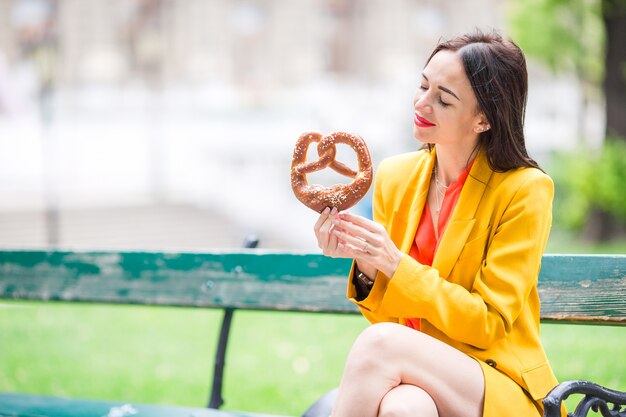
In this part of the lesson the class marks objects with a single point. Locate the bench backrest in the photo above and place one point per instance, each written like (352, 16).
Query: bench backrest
(573, 288)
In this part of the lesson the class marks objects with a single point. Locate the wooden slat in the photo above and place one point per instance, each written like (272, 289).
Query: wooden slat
(583, 288)
(573, 288)
(247, 279)
(23, 405)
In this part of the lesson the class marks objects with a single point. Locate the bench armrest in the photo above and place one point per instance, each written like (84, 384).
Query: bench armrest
(609, 403)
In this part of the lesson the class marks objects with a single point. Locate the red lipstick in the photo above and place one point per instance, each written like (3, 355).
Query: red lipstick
(421, 122)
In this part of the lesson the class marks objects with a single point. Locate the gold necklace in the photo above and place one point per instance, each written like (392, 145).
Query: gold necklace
(439, 189)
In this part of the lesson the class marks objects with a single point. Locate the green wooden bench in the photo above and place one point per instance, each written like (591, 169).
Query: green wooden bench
(573, 289)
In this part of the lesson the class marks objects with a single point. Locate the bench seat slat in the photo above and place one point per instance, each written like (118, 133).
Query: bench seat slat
(572, 288)
(583, 289)
(24, 405)
(273, 281)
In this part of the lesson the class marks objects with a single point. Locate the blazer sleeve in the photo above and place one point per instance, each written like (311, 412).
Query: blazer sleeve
(484, 313)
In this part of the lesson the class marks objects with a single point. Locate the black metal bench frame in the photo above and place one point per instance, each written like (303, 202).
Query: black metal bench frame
(596, 398)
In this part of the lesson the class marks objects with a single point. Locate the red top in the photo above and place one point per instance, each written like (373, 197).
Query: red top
(425, 242)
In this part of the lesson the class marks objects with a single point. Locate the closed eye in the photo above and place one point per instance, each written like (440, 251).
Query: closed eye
(442, 88)
(439, 99)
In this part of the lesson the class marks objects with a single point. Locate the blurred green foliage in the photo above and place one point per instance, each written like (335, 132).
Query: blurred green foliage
(585, 179)
(570, 36)
(567, 35)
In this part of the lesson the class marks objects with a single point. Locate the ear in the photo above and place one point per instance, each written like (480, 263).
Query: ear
(481, 125)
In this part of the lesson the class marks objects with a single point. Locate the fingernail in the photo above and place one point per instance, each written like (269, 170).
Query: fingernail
(336, 232)
(334, 210)
(326, 210)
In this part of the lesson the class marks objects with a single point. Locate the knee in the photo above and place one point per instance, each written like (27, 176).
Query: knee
(375, 345)
(427, 409)
(381, 338)
(374, 338)
(407, 401)
(379, 335)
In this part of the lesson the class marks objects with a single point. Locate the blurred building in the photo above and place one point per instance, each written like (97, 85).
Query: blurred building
(243, 41)
(189, 107)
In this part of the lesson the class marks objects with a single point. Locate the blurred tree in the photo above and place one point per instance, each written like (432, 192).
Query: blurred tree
(567, 35)
(587, 37)
(614, 15)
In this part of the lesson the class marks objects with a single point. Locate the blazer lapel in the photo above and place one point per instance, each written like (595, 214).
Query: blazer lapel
(411, 210)
(463, 217)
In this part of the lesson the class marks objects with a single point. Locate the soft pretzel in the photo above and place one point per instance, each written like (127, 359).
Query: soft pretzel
(341, 196)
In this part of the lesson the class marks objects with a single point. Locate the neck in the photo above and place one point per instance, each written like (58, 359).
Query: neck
(451, 162)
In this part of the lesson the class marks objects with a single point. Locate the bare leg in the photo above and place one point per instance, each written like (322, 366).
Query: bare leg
(387, 355)
(407, 401)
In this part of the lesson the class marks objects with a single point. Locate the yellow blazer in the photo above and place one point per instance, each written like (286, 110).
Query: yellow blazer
(480, 295)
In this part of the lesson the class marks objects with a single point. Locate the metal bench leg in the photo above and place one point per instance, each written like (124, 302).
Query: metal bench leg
(216, 400)
(608, 402)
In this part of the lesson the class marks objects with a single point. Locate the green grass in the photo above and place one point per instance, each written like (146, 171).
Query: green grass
(594, 353)
(564, 242)
(277, 362)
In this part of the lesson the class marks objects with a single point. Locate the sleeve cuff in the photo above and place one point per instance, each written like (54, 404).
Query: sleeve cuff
(373, 300)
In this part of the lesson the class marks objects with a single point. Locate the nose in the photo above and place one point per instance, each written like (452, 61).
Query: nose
(421, 103)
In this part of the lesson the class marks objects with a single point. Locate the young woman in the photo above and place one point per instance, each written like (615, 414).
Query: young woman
(447, 271)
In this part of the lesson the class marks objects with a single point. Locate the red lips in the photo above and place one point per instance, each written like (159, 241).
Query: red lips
(421, 122)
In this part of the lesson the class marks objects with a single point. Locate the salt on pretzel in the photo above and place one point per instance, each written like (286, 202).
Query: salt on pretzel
(341, 196)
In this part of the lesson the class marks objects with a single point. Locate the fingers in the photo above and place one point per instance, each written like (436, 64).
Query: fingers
(366, 241)
(356, 231)
(323, 227)
(323, 231)
(365, 223)
(332, 247)
(360, 227)
(323, 217)
(352, 242)
(358, 237)
(347, 235)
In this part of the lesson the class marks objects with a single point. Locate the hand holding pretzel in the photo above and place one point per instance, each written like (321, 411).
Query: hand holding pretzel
(341, 196)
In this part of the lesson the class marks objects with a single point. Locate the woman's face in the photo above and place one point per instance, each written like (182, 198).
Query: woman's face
(446, 109)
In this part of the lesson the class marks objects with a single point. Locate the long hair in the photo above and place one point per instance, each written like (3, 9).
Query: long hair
(496, 69)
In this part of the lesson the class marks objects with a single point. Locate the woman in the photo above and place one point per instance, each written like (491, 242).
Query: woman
(447, 271)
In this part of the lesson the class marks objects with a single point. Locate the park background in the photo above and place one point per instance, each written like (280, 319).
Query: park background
(170, 125)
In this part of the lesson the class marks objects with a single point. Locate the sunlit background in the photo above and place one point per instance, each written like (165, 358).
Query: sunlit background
(170, 124)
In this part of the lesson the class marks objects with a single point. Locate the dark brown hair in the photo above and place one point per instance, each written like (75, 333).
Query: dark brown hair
(496, 69)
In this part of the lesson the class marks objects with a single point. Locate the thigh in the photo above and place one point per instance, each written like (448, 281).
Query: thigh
(451, 378)
(407, 400)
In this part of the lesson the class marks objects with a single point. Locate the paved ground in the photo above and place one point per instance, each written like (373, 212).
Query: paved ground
(175, 227)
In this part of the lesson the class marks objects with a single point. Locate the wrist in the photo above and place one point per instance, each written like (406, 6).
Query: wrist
(392, 266)
(365, 268)
(364, 279)
(362, 283)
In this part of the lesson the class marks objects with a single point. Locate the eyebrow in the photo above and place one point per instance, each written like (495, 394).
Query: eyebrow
(447, 90)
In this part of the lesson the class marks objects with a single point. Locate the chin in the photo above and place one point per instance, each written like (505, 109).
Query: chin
(421, 138)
